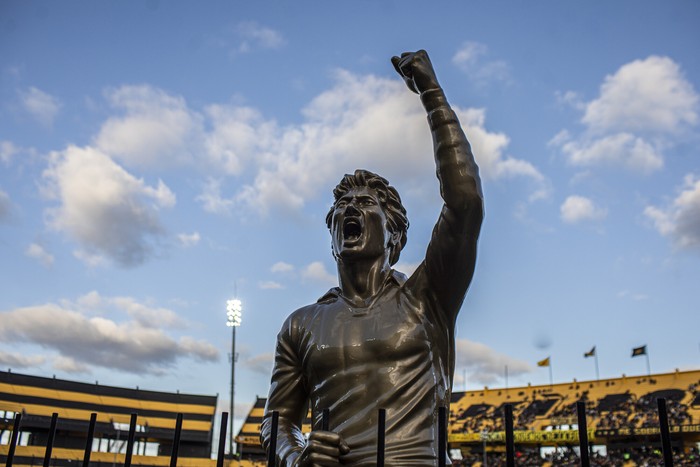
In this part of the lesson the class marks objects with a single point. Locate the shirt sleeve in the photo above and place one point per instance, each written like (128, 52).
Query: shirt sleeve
(451, 255)
(288, 396)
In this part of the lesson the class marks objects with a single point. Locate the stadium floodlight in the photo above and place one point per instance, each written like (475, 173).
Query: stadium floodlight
(234, 312)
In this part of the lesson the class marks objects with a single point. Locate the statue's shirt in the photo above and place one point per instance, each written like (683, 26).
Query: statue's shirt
(394, 354)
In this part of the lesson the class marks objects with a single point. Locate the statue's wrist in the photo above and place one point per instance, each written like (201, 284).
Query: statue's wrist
(433, 98)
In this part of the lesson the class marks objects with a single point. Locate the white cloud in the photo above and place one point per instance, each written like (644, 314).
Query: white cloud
(257, 36)
(235, 136)
(281, 266)
(484, 365)
(136, 345)
(201, 350)
(370, 122)
(571, 99)
(93, 260)
(189, 240)
(108, 211)
(270, 285)
(155, 130)
(16, 360)
(90, 301)
(680, 221)
(145, 315)
(621, 149)
(470, 58)
(70, 365)
(7, 151)
(577, 209)
(211, 199)
(317, 271)
(5, 206)
(644, 95)
(362, 121)
(641, 110)
(38, 252)
(41, 105)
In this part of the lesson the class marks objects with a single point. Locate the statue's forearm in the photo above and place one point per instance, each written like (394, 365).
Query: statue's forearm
(460, 185)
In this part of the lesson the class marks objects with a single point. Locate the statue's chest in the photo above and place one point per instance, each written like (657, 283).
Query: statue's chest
(360, 340)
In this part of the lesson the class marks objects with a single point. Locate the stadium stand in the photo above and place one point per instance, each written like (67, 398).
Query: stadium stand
(37, 398)
(621, 414)
(622, 420)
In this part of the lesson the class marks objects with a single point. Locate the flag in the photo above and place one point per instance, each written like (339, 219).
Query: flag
(544, 362)
(590, 353)
(637, 351)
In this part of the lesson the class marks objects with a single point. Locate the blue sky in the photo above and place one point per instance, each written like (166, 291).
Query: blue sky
(159, 158)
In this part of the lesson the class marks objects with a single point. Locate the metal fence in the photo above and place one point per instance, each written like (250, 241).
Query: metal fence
(442, 437)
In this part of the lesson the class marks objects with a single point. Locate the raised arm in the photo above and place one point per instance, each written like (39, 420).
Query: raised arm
(451, 255)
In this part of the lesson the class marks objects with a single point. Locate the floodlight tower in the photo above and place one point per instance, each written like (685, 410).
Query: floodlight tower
(234, 310)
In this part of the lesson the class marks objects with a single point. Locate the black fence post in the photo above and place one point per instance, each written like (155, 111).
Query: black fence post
(222, 440)
(49, 442)
(176, 441)
(510, 440)
(13, 439)
(665, 433)
(130, 441)
(272, 448)
(442, 436)
(381, 427)
(583, 433)
(88, 441)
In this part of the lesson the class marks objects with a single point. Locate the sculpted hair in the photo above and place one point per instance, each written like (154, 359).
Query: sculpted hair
(389, 199)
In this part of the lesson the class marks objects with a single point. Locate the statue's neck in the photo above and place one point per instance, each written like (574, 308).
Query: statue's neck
(361, 280)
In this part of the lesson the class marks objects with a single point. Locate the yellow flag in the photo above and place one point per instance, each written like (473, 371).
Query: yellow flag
(544, 362)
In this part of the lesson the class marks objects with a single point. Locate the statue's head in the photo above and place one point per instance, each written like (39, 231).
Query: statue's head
(367, 217)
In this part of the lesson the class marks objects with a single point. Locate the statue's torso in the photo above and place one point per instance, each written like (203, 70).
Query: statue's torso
(357, 360)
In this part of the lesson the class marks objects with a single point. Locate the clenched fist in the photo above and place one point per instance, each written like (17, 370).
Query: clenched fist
(416, 70)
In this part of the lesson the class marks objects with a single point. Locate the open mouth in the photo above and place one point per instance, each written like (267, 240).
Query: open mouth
(351, 229)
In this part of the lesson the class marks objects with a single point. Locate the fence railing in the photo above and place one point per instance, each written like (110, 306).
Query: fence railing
(325, 423)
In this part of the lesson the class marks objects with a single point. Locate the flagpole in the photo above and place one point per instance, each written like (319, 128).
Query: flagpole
(550, 373)
(597, 373)
(646, 354)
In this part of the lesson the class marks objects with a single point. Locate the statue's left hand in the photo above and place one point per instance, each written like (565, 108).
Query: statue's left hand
(416, 70)
(323, 449)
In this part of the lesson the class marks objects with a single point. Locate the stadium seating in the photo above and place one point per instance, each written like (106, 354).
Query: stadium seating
(621, 415)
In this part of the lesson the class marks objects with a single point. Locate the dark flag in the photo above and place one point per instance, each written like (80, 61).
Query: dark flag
(544, 362)
(637, 351)
(590, 353)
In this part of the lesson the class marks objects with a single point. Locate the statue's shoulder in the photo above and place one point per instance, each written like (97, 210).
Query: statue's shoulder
(301, 321)
(310, 311)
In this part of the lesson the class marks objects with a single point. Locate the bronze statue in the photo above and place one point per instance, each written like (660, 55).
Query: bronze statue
(381, 340)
